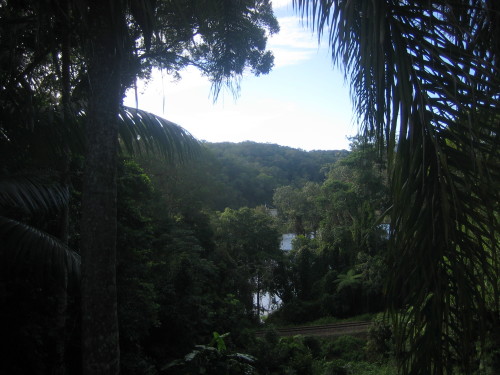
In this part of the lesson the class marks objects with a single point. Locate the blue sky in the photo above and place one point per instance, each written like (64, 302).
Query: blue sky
(302, 103)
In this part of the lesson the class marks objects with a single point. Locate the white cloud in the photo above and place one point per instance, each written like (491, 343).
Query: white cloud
(293, 34)
(284, 57)
(293, 44)
(277, 4)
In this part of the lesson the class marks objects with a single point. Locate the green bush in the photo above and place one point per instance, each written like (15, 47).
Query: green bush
(298, 355)
(335, 367)
(287, 355)
(297, 358)
(347, 348)
(314, 345)
(212, 359)
(296, 312)
(367, 368)
(380, 340)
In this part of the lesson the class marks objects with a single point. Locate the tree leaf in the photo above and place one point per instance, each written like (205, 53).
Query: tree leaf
(36, 253)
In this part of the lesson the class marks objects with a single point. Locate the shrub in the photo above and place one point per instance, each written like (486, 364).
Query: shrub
(379, 345)
(347, 348)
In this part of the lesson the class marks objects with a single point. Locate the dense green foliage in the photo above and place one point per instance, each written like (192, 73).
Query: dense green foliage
(337, 263)
(252, 171)
(183, 271)
(186, 271)
(344, 355)
(238, 175)
(183, 274)
(425, 81)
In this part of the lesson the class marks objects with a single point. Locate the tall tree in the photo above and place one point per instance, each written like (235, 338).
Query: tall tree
(110, 44)
(425, 80)
(298, 208)
(247, 241)
(104, 55)
(223, 38)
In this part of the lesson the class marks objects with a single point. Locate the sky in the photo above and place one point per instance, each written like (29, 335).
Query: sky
(302, 103)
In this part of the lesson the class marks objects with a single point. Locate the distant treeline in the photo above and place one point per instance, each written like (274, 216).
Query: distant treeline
(243, 174)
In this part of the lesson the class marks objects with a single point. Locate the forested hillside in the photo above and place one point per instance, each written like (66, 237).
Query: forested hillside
(194, 259)
(285, 165)
(241, 174)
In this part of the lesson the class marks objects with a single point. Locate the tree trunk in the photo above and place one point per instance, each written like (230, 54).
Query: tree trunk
(59, 365)
(66, 110)
(100, 344)
(258, 297)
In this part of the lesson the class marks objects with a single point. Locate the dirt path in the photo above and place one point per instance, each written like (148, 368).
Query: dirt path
(339, 329)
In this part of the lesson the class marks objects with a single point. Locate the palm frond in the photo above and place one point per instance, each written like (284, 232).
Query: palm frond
(425, 81)
(32, 195)
(347, 280)
(142, 132)
(26, 249)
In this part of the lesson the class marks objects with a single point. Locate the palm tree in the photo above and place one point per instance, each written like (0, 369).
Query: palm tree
(105, 55)
(110, 44)
(24, 245)
(425, 81)
(30, 255)
(27, 197)
(34, 193)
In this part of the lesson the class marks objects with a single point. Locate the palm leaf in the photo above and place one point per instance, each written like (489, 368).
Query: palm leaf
(36, 253)
(347, 280)
(426, 86)
(142, 132)
(32, 195)
(28, 249)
